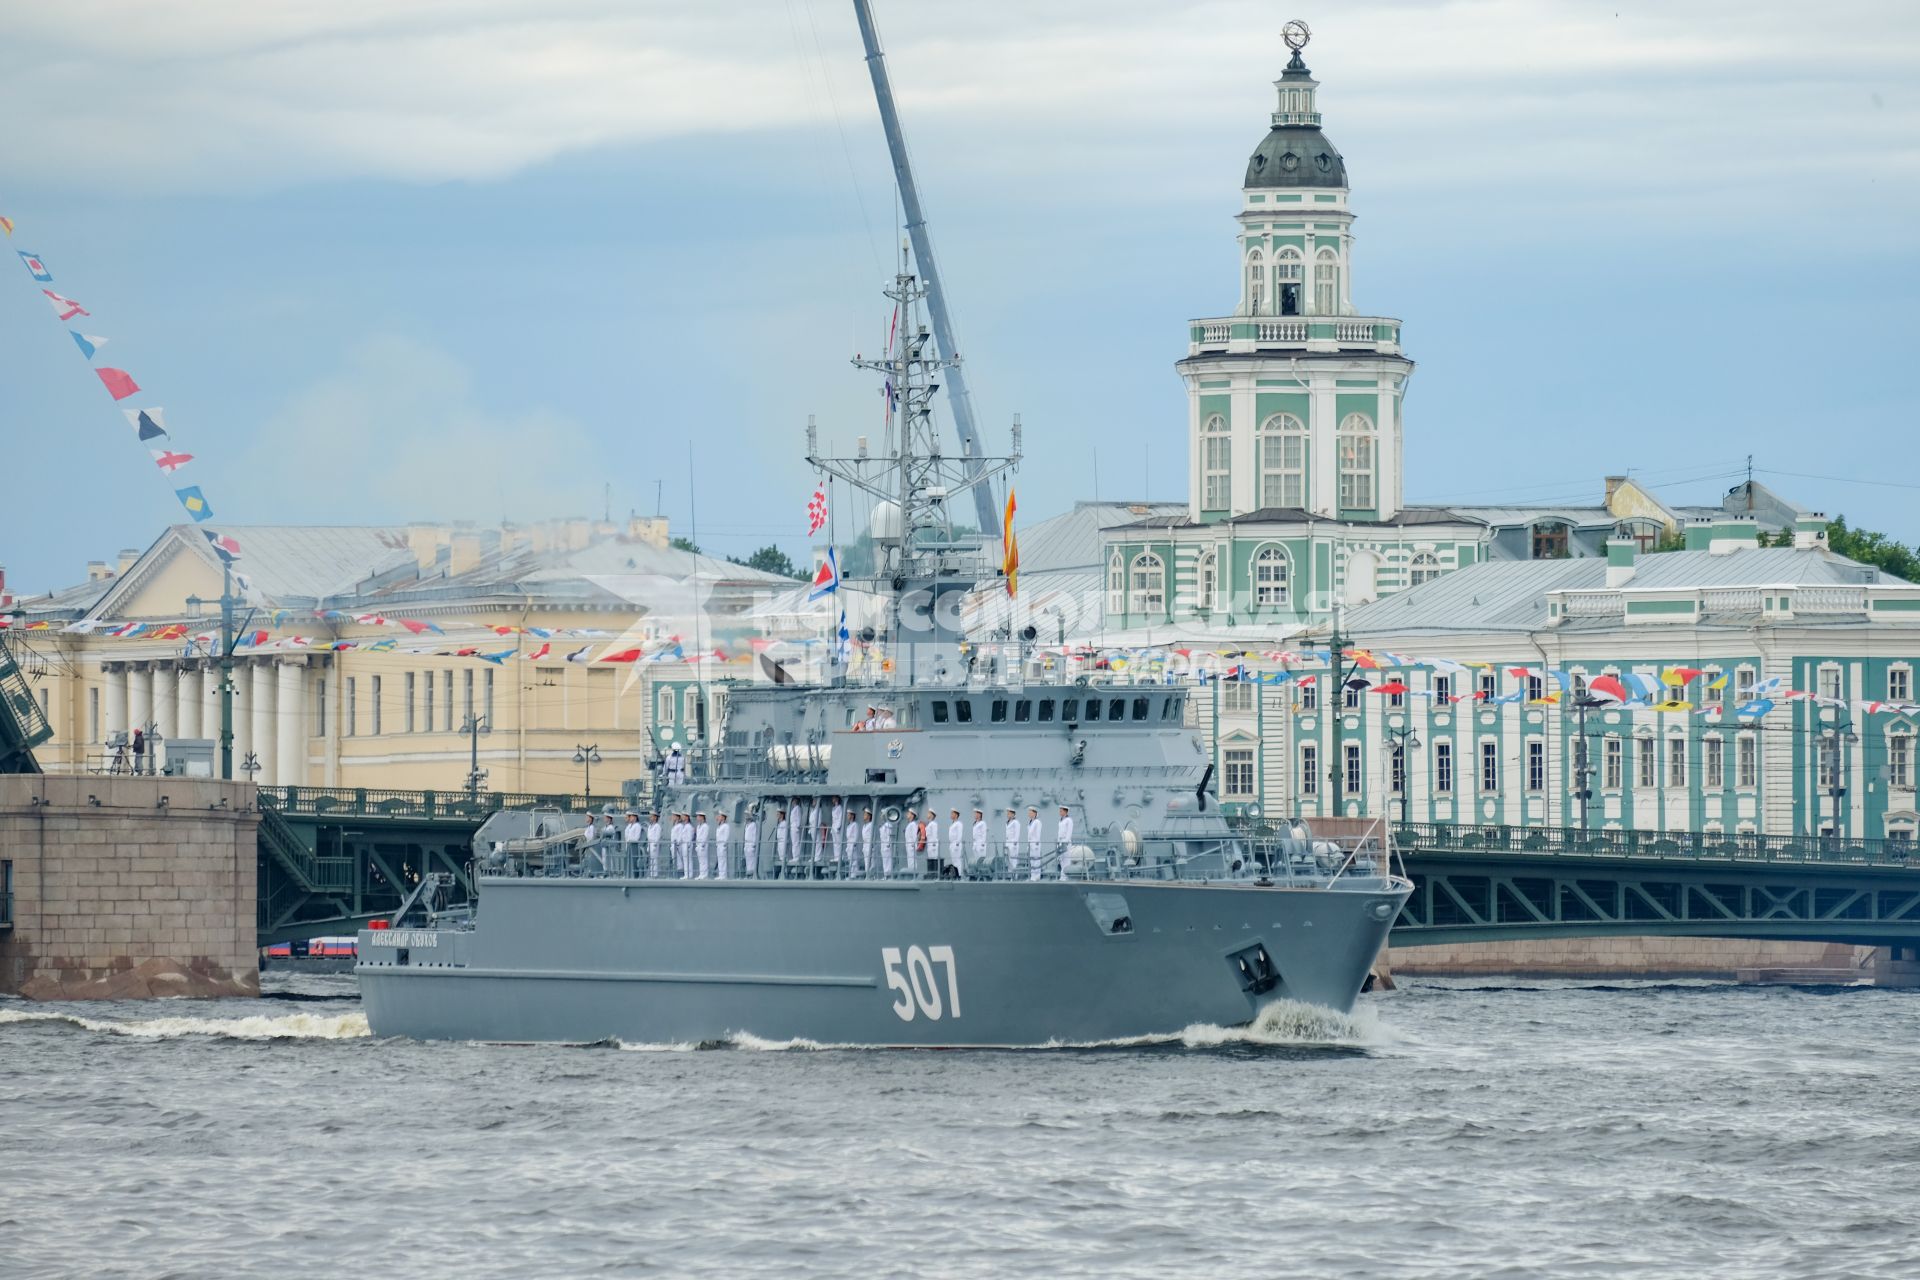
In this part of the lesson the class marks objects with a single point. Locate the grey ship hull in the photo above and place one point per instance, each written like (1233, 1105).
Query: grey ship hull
(971, 963)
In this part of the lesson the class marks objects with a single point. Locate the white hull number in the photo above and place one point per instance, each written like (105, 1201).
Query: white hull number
(918, 987)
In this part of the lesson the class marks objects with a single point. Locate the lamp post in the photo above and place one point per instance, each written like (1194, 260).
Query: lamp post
(1835, 736)
(225, 688)
(1583, 766)
(1402, 741)
(587, 757)
(473, 726)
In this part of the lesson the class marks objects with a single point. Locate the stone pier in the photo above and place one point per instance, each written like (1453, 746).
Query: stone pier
(128, 887)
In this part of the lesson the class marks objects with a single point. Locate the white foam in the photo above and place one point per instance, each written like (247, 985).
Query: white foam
(293, 1026)
(1284, 1022)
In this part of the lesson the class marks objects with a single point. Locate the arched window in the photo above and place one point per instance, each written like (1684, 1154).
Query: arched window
(1283, 461)
(1272, 573)
(1116, 584)
(1550, 540)
(1216, 451)
(1326, 282)
(1209, 578)
(1147, 587)
(1424, 567)
(1287, 279)
(1357, 451)
(1256, 284)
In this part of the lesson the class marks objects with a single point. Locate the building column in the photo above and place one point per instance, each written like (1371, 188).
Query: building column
(1323, 446)
(139, 697)
(166, 686)
(264, 738)
(114, 714)
(291, 747)
(187, 699)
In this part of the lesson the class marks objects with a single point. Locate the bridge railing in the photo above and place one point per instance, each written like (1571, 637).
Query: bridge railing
(1692, 846)
(372, 802)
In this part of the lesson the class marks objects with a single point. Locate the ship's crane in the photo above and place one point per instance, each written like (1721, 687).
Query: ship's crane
(958, 398)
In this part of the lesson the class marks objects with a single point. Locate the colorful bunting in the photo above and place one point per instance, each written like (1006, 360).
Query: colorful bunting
(195, 502)
(36, 268)
(169, 461)
(118, 382)
(6, 225)
(87, 342)
(817, 512)
(65, 308)
(827, 580)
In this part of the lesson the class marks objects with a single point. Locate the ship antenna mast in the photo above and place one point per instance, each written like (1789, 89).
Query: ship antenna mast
(958, 397)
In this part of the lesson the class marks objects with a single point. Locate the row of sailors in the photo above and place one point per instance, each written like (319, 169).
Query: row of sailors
(815, 838)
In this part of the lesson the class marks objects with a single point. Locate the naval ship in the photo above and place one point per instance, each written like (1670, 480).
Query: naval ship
(1154, 913)
(1148, 914)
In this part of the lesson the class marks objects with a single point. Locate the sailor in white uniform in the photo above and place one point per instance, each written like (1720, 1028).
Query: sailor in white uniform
(630, 844)
(979, 838)
(817, 836)
(931, 867)
(886, 846)
(1033, 844)
(750, 844)
(723, 849)
(1063, 839)
(956, 847)
(702, 840)
(682, 839)
(676, 767)
(1012, 842)
(865, 856)
(653, 844)
(839, 824)
(911, 846)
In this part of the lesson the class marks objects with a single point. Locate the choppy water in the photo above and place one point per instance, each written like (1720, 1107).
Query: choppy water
(1450, 1129)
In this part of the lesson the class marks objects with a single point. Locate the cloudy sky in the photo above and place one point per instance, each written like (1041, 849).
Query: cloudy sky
(393, 259)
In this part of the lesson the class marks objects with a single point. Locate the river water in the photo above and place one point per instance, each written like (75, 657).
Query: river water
(1453, 1128)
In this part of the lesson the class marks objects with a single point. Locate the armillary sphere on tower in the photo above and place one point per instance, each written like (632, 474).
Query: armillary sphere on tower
(1296, 33)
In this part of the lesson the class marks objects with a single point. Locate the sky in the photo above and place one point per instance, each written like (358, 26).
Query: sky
(390, 260)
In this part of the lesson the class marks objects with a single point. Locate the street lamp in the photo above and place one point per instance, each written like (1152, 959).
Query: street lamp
(587, 757)
(1834, 737)
(1583, 767)
(1403, 740)
(473, 726)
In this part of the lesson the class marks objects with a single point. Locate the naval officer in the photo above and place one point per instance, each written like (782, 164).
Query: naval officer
(1033, 843)
(886, 846)
(723, 849)
(630, 843)
(1063, 839)
(979, 838)
(750, 844)
(702, 840)
(865, 856)
(592, 832)
(653, 844)
(956, 851)
(915, 841)
(931, 867)
(780, 828)
(680, 839)
(817, 834)
(1012, 840)
(839, 822)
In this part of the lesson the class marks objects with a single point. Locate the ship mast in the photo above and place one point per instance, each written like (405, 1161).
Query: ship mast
(958, 397)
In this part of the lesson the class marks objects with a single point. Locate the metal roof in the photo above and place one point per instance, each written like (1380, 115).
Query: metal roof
(1071, 540)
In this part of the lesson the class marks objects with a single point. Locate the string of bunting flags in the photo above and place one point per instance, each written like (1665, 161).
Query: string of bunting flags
(149, 424)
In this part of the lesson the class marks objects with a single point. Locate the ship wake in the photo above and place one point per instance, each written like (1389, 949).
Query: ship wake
(293, 1026)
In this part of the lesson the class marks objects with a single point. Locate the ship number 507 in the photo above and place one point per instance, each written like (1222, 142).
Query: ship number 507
(918, 987)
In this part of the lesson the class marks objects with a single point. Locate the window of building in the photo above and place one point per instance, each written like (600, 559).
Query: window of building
(1397, 699)
(1899, 684)
(488, 700)
(467, 686)
(1116, 584)
(1283, 461)
(1743, 682)
(1288, 271)
(1271, 573)
(1256, 284)
(1237, 772)
(1536, 765)
(320, 707)
(93, 715)
(1611, 765)
(1147, 585)
(1536, 688)
(1443, 767)
(1829, 682)
(1442, 689)
(1550, 540)
(1326, 282)
(1397, 768)
(446, 701)
(1489, 766)
(1900, 758)
(1350, 696)
(409, 720)
(1310, 693)
(1713, 763)
(1351, 778)
(1489, 686)
(1711, 690)
(1424, 567)
(1747, 761)
(374, 689)
(1356, 448)
(1216, 457)
(663, 706)
(353, 706)
(1208, 573)
(1648, 770)
(1676, 762)
(1827, 762)
(1309, 770)
(1236, 695)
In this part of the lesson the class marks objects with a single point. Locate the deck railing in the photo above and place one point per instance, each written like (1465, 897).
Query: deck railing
(1694, 846)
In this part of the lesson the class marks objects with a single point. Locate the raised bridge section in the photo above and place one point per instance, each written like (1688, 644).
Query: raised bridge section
(22, 727)
(332, 858)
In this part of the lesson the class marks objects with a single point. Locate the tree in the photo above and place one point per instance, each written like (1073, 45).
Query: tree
(684, 544)
(771, 559)
(1870, 547)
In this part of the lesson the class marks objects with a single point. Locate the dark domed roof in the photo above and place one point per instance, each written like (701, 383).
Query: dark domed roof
(1295, 155)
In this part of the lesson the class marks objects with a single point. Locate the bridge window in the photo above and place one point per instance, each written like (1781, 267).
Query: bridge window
(1900, 758)
(1170, 709)
(1236, 772)
(1070, 710)
(1747, 761)
(1093, 710)
(1352, 777)
(998, 714)
(1713, 763)
(1489, 766)
(1309, 770)
(1899, 684)
(1023, 711)
(1139, 708)
(1443, 767)
(939, 712)
(963, 711)
(1611, 772)
(1117, 709)
(1648, 772)
(1424, 567)
(1677, 762)
(1046, 710)
(1536, 765)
